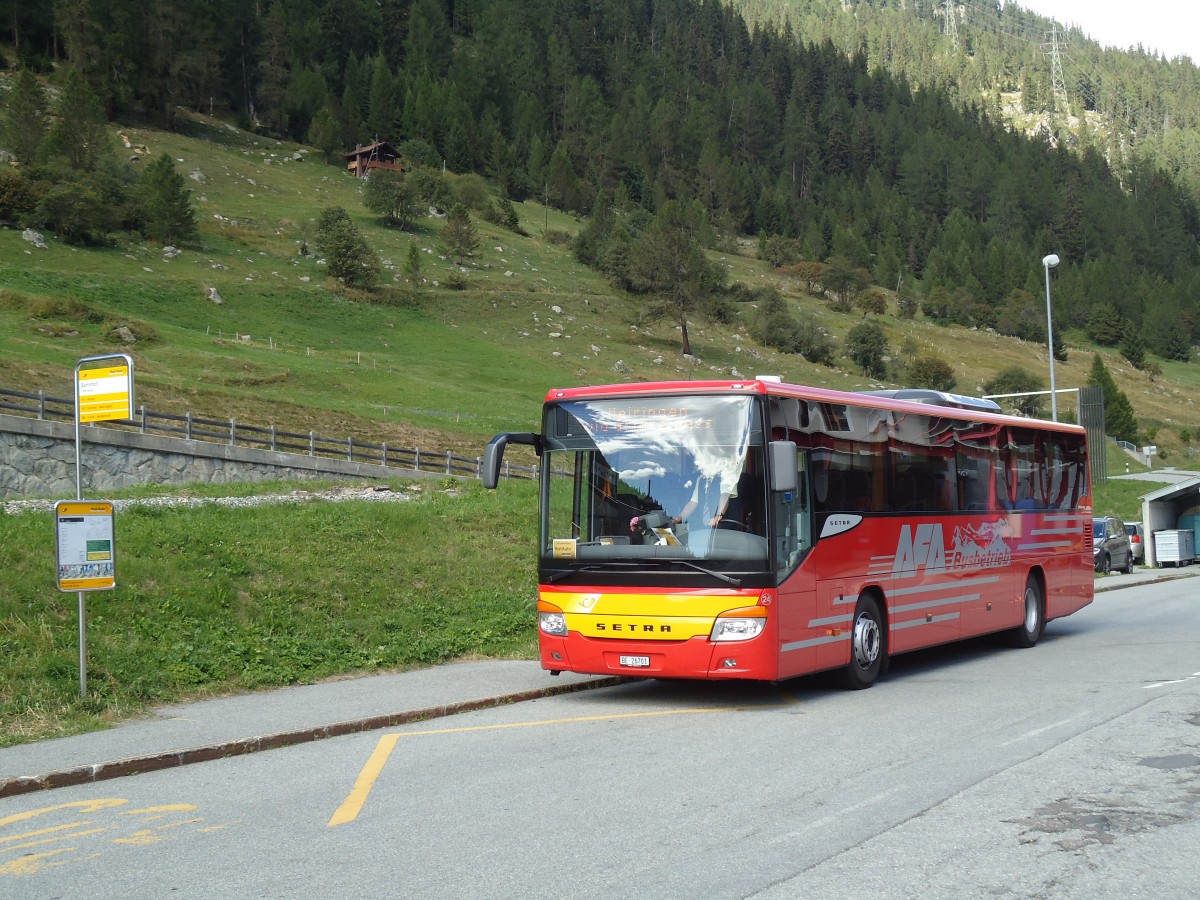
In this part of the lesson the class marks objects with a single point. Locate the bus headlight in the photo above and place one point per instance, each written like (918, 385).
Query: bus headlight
(739, 624)
(551, 619)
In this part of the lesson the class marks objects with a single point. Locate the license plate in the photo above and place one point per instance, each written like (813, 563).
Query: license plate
(636, 662)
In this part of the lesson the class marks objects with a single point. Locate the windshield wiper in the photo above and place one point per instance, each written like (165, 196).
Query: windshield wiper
(639, 563)
(721, 576)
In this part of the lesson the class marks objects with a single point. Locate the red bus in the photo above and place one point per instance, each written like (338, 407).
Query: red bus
(760, 530)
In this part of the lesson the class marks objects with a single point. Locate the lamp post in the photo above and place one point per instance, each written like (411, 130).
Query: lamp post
(1050, 262)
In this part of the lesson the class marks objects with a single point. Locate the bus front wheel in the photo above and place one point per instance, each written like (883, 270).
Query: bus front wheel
(1034, 622)
(868, 645)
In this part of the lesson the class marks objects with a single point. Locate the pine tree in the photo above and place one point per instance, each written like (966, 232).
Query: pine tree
(347, 254)
(1133, 348)
(412, 265)
(324, 133)
(24, 125)
(166, 204)
(1105, 326)
(274, 71)
(1119, 421)
(669, 263)
(78, 134)
(459, 235)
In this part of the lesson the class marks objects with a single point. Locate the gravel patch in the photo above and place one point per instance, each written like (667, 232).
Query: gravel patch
(339, 494)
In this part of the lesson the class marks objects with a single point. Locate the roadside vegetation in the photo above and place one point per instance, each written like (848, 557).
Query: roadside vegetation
(212, 599)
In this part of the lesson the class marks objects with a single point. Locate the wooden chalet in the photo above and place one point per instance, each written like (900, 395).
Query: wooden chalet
(379, 155)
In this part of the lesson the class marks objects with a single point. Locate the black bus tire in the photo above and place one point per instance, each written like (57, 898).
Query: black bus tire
(1033, 621)
(868, 645)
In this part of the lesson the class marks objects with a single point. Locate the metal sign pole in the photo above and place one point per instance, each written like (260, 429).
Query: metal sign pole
(82, 646)
(81, 594)
(109, 396)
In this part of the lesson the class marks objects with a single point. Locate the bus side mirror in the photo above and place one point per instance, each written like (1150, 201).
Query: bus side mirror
(494, 453)
(783, 466)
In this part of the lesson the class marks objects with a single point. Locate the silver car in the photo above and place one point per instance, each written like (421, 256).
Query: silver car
(1111, 547)
(1136, 541)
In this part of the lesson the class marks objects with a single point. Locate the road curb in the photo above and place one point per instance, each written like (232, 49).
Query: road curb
(1119, 583)
(170, 759)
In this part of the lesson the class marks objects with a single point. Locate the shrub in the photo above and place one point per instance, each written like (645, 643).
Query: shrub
(929, 370)
(867, 345)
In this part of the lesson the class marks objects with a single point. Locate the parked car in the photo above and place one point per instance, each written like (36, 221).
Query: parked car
(1111, 547)
(1134, 530)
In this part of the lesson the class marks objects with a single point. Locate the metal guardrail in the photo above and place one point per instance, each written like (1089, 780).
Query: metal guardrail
(190, 427)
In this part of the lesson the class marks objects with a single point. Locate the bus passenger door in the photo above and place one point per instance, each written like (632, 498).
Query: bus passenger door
(797, 647)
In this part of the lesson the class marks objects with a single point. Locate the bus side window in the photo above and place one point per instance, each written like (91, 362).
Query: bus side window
(973, 485)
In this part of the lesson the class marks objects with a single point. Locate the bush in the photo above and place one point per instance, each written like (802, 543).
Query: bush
(76, 213)
(867, 345)
(431, 187)
(17, 197)
(347, 254)
(472, 192)
(1018, 380)
(929, 370)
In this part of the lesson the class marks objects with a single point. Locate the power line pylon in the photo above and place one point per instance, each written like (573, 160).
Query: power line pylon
(1056, 73)
(950, 28)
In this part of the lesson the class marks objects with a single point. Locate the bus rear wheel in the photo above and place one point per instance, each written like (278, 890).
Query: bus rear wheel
(868, 645)
(1034, 622)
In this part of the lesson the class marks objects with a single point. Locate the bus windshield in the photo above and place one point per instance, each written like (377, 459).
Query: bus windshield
(655, 478)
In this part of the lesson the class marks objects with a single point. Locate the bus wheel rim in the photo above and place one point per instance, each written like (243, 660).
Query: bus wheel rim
(1031, 609)
(866, 641)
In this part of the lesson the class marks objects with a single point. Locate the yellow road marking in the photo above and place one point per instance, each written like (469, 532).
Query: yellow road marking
(354, 802)
(85, 806)
(51, 840)
(40, 832)
(167, 807)
(180, 824)
(27, 865)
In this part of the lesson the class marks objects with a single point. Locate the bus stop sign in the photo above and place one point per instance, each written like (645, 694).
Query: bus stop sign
(86, 553)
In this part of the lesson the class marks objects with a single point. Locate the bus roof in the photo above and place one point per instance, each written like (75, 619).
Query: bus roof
(913, 400)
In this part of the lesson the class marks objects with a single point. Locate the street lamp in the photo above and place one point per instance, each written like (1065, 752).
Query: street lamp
(1050, 262)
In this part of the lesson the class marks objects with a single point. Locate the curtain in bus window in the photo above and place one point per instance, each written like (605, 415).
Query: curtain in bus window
(1026, 472)
(1064, 470)
(977, 457)
(788, 418)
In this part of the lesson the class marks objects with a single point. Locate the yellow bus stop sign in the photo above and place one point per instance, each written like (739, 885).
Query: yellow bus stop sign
(106, 392)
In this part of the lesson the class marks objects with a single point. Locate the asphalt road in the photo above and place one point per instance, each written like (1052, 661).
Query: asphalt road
(1068, 770)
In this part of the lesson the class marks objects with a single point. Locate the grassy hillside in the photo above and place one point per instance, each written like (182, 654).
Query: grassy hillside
(445, 373)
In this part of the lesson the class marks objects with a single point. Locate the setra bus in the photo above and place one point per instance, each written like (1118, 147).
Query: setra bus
(760, 530)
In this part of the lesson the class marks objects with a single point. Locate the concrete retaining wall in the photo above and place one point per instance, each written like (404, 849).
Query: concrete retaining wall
(37, 458)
